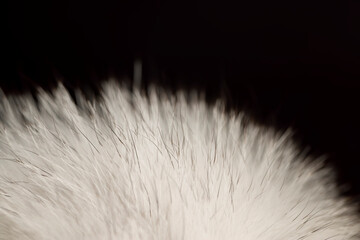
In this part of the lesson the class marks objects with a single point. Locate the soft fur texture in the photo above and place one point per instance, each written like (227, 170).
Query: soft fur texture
(162, 167)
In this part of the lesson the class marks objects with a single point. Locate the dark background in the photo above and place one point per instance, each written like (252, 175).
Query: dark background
(287, 63)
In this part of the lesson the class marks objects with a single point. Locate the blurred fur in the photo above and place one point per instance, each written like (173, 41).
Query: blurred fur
(157, 167)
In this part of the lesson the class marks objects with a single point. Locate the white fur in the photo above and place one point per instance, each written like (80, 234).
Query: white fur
(163, 167)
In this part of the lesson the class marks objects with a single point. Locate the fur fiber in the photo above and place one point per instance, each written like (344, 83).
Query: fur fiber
(157, 167)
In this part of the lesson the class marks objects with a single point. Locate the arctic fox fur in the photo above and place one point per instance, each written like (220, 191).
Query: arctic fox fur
(157, 167)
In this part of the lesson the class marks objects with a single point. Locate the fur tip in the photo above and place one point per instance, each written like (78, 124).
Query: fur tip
(157, 167)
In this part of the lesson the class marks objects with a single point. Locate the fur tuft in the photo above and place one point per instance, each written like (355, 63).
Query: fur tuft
(157, 167)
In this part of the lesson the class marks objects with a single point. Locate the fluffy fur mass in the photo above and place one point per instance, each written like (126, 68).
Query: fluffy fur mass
(157, 167)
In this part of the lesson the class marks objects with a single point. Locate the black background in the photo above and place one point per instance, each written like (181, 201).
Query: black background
(287, 63)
